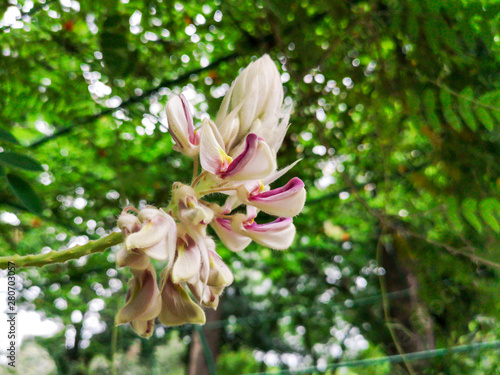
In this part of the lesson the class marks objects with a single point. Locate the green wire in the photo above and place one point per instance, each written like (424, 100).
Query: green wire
(398, 358)
(206, 349)
(337, 307)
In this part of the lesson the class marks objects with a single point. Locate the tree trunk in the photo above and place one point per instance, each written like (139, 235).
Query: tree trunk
(410, 318)
(197, 363)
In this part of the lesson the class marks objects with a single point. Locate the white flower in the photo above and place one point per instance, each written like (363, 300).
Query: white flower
(157, 236)
(238, 157)
(255, 161)
(254, 104)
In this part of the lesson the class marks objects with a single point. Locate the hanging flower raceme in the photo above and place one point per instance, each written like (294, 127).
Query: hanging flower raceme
(237, 154)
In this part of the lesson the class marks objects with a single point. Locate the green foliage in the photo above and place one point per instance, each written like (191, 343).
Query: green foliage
(465, 108)
(469, 206)
(25, 193)
(488, 208)
(429, 100)
(396, 120)
(237, 362)
(449, 113)
(12, 159)
(5, 136)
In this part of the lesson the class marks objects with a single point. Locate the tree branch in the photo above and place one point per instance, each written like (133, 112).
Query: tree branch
(135, 99)
(40, 260)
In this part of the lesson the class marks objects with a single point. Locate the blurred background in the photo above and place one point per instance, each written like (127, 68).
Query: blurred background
(396, 119)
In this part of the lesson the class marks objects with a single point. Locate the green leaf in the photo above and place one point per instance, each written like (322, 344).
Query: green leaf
(16, 160)
(432, 34)
(113, 40)
(467, 32)
(488, 207)
(413, 25)
(492, 99)
(25, 193)
(469, 207)
(453, 213)
(2, 171)
(485, 118)
(448, 36)
(465, 108)
(449, 114)
(429, 100)
(7, 137)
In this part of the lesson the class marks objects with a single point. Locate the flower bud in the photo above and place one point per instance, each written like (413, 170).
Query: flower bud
(188, 262)
(157, 236)
(190, 210)
(255, 97)
(124, 258)
(143, 302)
(180, 126)
(220, 275)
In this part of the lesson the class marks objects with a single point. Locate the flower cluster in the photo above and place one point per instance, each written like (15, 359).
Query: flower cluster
(237, 153)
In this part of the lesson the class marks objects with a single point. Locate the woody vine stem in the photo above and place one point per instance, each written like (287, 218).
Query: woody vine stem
(40, 260)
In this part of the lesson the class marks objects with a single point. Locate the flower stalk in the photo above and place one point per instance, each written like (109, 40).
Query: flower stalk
(40, 260)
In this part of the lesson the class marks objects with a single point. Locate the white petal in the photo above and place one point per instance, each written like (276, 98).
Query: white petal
(143, 298)
(220, 274)
(158, 251)
(231, 203)
(204, 295)
(180, 125)
(224, 108)
(278, 235)
(157, 236)
(229, 128)
(187, 263)
(289, 207)
(258, 94)
(277, 174)
(256, 161)
(177, 306)
(276, 240)
(128, 223)
(125, 258)
(232, 240)
(143, 328)
(200, 240)
(150, 234)
(212, 155)
(287, 201)
(177, 120)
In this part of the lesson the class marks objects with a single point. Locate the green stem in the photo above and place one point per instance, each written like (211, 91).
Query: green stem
(206, 349)
(114, 337)
(40, 260)
(215, 190)
(195, 169)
